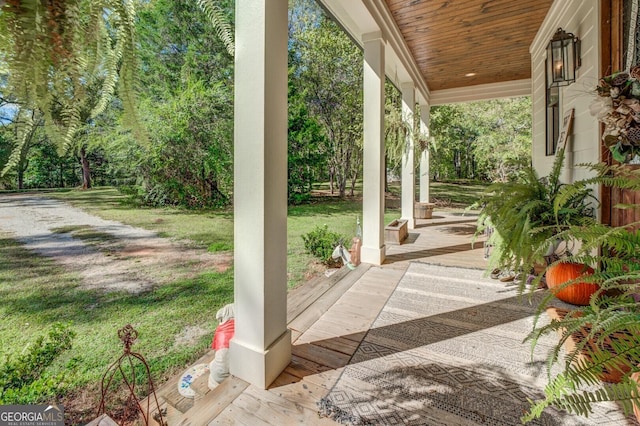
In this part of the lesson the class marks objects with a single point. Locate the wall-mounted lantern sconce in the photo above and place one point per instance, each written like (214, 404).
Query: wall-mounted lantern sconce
(563, 59)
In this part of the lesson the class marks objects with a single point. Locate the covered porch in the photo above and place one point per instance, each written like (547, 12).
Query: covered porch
(328, 318)
(409, 44)
(336, 325)
(423, 51)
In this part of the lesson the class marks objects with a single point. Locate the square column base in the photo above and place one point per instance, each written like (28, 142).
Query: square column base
(260, 367)
(372, 255)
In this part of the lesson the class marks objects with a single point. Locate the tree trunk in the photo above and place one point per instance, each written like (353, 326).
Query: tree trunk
(86, 171)
(331, 178)
(342, 185)
(354, 179)
(20, 178)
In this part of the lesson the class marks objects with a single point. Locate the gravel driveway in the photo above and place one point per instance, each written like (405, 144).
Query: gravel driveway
(134, 259)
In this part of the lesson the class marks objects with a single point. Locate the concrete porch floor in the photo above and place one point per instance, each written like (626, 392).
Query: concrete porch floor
(328, 319)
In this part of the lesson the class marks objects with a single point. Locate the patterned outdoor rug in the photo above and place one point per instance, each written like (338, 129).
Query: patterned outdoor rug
(447, 350)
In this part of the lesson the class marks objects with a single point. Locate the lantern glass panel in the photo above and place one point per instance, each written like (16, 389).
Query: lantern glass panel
(570, 60)
(561, 59)
(558, 62)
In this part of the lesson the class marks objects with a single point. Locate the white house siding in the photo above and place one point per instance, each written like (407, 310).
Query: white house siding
(580, 17)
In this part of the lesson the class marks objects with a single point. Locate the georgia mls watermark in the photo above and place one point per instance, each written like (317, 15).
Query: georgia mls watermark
(31, 415)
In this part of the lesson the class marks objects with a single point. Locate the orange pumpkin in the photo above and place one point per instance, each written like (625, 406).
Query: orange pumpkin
(577, 293)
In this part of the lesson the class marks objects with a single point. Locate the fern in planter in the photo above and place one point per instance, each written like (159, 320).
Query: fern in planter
(523, 217)
(606, 333)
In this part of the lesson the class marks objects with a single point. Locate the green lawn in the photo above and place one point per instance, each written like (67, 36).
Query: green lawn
(213, 229)
(36, 292)
(456, 195)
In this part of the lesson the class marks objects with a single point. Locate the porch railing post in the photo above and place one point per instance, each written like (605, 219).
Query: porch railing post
(408, 166)
(261, 347)
(424, 157)
(373, 248)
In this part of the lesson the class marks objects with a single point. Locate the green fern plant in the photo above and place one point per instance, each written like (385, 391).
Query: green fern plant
(52, 52)
(220, 23)
(606, 333)
(527, 213)
(51, 48)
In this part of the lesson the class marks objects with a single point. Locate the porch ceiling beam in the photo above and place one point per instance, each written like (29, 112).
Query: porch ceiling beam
(406, 68)
(549, 27)
(508, 89)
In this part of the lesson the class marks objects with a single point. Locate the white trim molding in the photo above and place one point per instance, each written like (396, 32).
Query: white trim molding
(481, 92)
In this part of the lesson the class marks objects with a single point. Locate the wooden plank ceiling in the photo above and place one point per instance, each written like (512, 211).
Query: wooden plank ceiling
(460, 43)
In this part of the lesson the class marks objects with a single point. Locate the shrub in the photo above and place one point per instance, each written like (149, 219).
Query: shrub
(321, 242)
(24, 379)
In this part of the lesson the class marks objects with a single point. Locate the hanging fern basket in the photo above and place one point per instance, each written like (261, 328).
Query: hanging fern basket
(577, 293)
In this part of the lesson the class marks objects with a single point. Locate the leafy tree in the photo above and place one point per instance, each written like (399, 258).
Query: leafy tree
(187, 108)
(25, 129)
(189, 160)
(66, 71)
(306, 151)
(49, 48)
(454, 131)
(503, 147)
(178, 43)
(331, 72)
(47, 169)
(489, 140)
(6, 143)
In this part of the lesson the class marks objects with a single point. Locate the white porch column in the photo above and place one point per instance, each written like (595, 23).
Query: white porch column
(408, 173)
(373, 248)
(261, 348)
(424, 158)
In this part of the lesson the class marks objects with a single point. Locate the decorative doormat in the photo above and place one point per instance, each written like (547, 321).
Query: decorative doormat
(447, 349)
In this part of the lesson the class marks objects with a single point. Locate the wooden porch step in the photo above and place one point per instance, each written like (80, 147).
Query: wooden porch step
(318, 299)
(211, 404)
(178, 405)
(301, 297)
(305, 305)
(169, 400)
(103, 420)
